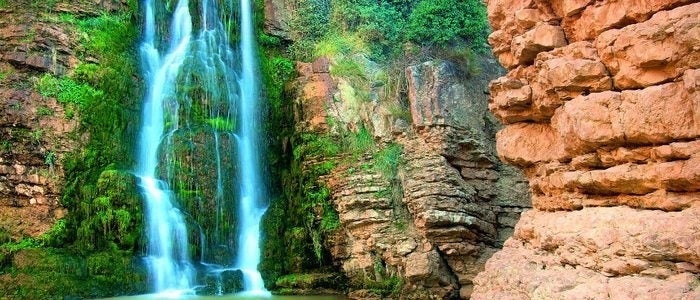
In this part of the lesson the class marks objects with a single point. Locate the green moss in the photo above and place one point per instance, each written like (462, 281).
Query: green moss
(67, 91)
(310, 281)
(50, 273)
(361, 141)
(221, 124)
(388, 159)
(112, 218)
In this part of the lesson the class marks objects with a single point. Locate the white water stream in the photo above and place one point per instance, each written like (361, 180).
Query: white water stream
(164, 60)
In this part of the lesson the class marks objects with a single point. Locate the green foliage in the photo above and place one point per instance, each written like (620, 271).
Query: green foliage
(49, 273)
(112, 217)
(313, 145)
(385, 26)
(43, 111)
(50, 158)
(56, 236)
(3, 4)
(388, 159)
(265, 40)
(36, 136)
(385, 288)
(6, 146)
(380, 23)
(348, 68)
(276, 71)
(340, 44)
(309, 23)
(441, 21)
(105, 207)
(310, 281)
(361, 142)
(221, 124)
(25, 243)
(67, 91)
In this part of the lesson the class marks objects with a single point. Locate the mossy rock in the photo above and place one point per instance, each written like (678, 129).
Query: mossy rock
(49, 273)
(310, 281)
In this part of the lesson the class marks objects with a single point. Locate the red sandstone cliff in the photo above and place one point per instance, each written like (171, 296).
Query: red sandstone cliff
(602, 113)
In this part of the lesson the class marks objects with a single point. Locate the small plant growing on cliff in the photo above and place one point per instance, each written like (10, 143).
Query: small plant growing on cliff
(6, 146)
(36, 136)
(221, 124)
(44, 111)
(361, 142)
(50, 159)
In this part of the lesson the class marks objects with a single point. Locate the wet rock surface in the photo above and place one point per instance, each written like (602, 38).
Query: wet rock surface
(605, 129)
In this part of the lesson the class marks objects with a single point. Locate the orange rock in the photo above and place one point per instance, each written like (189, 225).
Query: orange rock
(607, 130)
(524, 144)
(655, 51)
(605, 15)
(613, 118)
(543, 37)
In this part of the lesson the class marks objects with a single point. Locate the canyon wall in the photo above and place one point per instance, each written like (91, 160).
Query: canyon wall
(449, 204)
(34, 130)
(69, 218)
(602, 113)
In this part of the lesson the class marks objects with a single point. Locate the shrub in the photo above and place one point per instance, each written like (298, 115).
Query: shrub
(436, 22)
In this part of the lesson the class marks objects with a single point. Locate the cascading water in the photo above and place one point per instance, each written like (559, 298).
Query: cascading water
(251, 188)
(201, 124)
(168, 255)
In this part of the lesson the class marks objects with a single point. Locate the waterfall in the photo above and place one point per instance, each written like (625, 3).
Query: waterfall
(252, 191)
(203, 93)
(168, 254)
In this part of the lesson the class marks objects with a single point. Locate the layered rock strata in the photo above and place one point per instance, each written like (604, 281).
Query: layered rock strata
(34, 130)
(602, 114)
(453, 203)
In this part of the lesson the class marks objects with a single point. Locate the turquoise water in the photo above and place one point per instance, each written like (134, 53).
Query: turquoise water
(229, 297)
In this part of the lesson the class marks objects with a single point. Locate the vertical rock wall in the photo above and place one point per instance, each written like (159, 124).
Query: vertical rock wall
(602, 113)
(453, 203)
(33, 129)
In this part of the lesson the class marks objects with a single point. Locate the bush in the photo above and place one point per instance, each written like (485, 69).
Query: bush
(67, 91)
(436, 22)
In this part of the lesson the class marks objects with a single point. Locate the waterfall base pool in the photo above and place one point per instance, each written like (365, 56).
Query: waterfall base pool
(227, 297)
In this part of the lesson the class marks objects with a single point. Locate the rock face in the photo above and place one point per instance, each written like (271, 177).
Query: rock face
(33, 129)
(605, 126)
(36, 131)
(277, 17)
(453, 203)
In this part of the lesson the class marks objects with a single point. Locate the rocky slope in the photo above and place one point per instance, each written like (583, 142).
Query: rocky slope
(450, 204)
(33, 129)
(602, 114)
(66, 86)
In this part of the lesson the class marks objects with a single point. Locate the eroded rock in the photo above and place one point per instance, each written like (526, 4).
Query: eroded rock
(605, 129)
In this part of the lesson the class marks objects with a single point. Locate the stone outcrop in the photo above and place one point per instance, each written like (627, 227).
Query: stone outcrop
(605, 127)
(453, 203)
(278, 14)
(33, 129)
